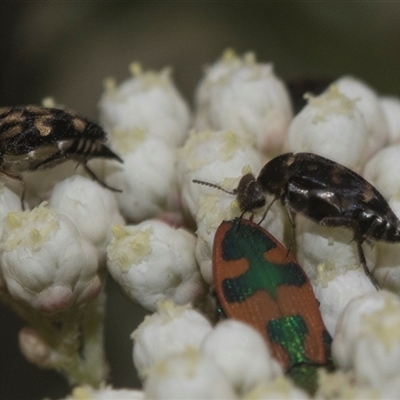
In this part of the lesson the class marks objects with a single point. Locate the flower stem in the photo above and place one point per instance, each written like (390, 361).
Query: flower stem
(74, 339)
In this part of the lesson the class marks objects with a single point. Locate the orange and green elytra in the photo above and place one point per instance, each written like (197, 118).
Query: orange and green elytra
(258, 282)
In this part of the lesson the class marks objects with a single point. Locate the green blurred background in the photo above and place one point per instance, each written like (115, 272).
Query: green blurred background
(66, 49)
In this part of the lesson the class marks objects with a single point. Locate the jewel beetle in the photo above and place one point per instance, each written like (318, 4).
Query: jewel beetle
(258, 282)
(324, 191)
(35, 138)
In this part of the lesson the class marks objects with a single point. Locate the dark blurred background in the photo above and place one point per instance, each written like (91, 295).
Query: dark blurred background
(66, 49)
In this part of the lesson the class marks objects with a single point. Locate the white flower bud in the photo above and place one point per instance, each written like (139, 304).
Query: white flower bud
(92, 208)
(187, 375)
(367, 102)
(331, 247)
(9, 201)
(45, 261)
(153, 261)
(36, 350)
(246, 97)
(391, 109)
(390, 390)
(330, 125)
(86, 392)
(335, 288)
(147, 176)
(330, 259)
(242, 354)
(39, 184)
(340, 385)
(282, 388)
(367, 339)
(212, 157)
(383, 170)
(148, 101)
(170, 330)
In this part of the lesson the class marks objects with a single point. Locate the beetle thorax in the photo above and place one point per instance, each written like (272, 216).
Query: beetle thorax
(276, 174)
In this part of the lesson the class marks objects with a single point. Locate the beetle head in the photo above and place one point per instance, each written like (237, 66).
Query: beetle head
(250, 193)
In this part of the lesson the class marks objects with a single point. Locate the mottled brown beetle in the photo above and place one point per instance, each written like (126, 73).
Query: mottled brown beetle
(34, 138)
(324, 191)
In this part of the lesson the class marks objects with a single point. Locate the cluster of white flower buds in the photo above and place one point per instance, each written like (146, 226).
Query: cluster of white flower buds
(53, 259)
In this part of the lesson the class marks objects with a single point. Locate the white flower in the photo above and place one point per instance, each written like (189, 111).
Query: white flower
(9, 201)
(153, 261)
(330, 125)
(148, 101)
(391, 109)
(330, 259)
(86, 392)
(147, 176)
(46, 263)
(339, 385)
(332, 247)
(36, 350)
(242, 354)
(367, 339)
(335, 292)
(282, 388)
(246, 97)
(168, 331)
(383, 171)
(39, 184)
(187, 375)
(367, 102)
(92, 208)
(211, 157)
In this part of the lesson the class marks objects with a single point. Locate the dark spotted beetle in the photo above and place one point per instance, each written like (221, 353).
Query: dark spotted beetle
(257, 282)
(34, 138)
(324, 191)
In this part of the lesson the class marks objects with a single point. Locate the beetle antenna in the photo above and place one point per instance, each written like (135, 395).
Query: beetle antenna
(213, 185)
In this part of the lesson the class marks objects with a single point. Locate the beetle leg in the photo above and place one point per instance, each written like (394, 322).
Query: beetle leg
(291, 216)
(267, 209)
(363, 262)
(335, 221)
(94, 177)
(338, 221)
(241, 217)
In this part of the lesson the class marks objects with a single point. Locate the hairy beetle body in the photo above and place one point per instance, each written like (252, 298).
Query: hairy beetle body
(34, 138)
(324, 191)
(330, 194)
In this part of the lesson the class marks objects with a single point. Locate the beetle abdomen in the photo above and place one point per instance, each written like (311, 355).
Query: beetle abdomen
(34, 137)
(83, 149)
(23, 129)
(377, 227)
